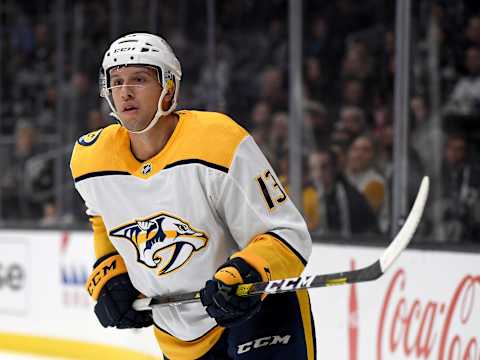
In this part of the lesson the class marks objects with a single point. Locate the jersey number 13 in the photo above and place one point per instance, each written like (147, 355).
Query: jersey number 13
(271, 191)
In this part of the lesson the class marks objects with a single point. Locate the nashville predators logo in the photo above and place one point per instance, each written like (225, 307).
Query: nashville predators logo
(90, 138)
(163, 242)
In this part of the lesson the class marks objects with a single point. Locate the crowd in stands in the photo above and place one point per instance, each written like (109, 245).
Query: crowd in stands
(348, 68)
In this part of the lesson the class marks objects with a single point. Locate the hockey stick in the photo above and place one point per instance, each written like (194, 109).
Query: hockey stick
(372, 272)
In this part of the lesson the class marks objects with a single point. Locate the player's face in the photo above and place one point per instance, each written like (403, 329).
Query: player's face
(135, 92)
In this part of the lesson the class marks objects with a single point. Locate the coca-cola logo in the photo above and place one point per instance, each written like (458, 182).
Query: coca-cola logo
(421, 328)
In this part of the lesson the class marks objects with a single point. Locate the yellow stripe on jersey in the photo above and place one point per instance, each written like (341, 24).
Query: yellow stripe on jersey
(283, 262)
(308, 326)
(206, 136)
(177, 349)
(101, 241)
(199, 137)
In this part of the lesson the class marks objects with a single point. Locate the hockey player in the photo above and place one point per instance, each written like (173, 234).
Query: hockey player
(181, 201)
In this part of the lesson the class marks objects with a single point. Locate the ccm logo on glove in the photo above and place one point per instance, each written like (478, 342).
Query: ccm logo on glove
(104, 271)
(111, 286)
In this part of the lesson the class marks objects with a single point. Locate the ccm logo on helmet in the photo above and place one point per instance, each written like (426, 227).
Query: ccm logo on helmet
(123, 49)
(262, 342)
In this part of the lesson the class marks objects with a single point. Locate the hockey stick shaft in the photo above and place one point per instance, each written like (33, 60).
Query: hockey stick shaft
(372, 272)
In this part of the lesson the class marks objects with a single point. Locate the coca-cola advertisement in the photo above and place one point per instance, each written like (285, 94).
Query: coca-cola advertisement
(427, 306)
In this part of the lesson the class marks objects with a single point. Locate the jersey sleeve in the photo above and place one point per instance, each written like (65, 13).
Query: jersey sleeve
(260, 216)
(101, 241)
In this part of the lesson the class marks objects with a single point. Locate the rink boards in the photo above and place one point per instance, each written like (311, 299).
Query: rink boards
(426, 307)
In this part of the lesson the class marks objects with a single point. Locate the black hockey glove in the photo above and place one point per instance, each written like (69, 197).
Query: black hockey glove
(219, 296)
(110, 285)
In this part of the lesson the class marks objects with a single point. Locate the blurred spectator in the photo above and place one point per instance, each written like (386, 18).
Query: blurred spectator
(346, 17)
(465, 98)
(50, 215)
(473, 31)
(381, 117)
(470, 36)
(277, 146)
(331, 203)
(384, 162)
(424, 135)
(272, 88)
(22, 36)
(389, 43)
(386, 71)
(213, 81)
(352, 120)
(316, 81)
(43, 49)
(340, 151)
(79, 99)
(277, 36)
(360, 171)
(281, 168)
(317, 38)
(460, 203)
(340, 141)
(357, 63)
(341, 137)
(384, 158)
(17, 188)
(353, 94)
(260, 126)
(261, 115)
(317, 126)
(46, 119)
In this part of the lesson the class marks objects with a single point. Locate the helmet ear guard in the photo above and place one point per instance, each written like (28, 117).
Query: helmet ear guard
(102, 84)
(169, 85)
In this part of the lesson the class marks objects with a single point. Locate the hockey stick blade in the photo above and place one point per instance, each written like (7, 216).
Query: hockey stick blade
(369, 273)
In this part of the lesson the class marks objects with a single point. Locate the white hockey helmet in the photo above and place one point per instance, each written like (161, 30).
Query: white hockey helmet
(142, 49)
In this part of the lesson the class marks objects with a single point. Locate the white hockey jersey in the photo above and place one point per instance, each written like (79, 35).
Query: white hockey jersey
(178, 216)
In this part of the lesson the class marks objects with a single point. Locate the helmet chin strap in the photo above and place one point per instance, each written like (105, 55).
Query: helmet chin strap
(155, 118)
